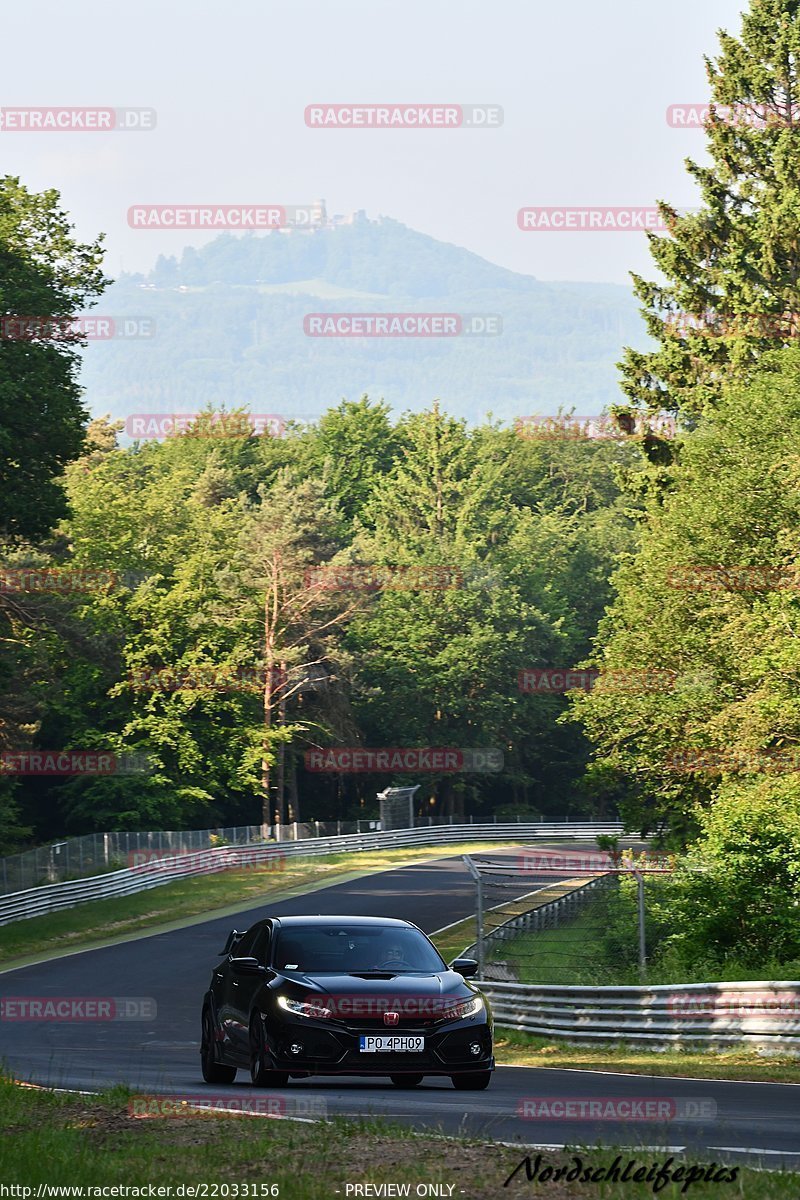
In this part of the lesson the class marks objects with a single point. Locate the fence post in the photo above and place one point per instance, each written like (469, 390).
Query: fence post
(479, 947)
(642, 941)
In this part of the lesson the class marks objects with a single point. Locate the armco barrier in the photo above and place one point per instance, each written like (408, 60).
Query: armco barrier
(652, 1016)
(52, 897)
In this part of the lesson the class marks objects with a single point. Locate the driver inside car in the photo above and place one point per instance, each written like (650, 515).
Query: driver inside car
(393, 956)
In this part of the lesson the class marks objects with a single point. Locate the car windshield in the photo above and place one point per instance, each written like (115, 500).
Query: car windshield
(349, 949)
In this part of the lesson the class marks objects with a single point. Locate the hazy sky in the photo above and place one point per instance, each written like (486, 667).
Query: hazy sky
(584, 87)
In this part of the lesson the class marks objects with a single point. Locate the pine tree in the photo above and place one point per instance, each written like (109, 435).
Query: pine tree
(732, 267)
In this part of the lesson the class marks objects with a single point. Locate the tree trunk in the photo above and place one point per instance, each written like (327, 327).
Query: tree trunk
(269, 666)
(281, 772)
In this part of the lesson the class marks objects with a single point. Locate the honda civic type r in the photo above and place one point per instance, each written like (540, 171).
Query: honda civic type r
(300, 996)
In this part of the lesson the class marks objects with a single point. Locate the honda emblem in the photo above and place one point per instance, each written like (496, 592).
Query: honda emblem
(391, 1018)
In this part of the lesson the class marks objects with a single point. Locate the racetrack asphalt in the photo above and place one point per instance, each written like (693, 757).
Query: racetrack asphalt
(734, 1122)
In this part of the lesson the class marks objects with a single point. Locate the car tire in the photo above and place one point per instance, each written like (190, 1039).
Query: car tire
(406, 1081)
(260, 1073)
(471, 1081)
(213, 1071)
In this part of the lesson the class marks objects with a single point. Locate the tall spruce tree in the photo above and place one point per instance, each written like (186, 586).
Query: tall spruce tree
(731, 270)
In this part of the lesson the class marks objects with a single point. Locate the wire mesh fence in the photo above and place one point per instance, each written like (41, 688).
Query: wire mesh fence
(94, 853)
(582, 928)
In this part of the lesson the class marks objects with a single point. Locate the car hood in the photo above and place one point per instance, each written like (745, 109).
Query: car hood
(440, 983)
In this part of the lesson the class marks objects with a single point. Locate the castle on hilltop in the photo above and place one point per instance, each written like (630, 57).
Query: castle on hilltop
(316, 217)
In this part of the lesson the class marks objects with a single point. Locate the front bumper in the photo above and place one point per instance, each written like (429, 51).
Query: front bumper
(333, 1047)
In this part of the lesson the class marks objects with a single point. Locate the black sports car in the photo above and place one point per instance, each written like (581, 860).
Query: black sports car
(299, 996)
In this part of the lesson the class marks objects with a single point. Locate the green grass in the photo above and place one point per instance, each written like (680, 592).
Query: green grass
(600, 947)
(515, 1048)
(104, 922)
(570, 954)
(452, 941)
(93, 1141)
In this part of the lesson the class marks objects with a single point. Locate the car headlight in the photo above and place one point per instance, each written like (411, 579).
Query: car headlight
(470, 1008)
(305, 1008)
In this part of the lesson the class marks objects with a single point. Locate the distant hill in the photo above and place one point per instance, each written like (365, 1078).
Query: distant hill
(228, 325)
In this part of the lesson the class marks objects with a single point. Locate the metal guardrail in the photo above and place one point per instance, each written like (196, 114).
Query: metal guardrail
(35, 902)
(713, 1015)
(96, 853)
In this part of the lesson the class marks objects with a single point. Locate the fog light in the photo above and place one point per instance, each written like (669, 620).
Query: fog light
(295, 1048)
(475, 1048)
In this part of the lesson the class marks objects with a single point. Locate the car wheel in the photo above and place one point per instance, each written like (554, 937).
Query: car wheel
(471, 1081)
(406, 1081)
(260, 1074)
(213, 1071)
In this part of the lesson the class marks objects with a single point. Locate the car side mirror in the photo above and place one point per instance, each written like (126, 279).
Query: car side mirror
(465, 966)
(247, 966)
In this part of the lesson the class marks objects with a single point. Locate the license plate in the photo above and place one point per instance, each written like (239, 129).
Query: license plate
(386, 1043)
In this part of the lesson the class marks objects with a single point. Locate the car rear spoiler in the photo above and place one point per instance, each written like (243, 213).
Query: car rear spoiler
(234, 937)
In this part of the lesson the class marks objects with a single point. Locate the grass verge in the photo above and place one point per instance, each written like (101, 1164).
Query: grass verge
(103, 922)
(95, 1141)
(572, 953)
(514, 1048)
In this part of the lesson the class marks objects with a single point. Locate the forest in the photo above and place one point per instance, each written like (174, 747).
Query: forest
(612, 623)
